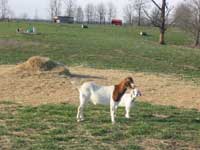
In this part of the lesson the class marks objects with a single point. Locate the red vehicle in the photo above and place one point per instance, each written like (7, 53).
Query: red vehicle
(117, 22)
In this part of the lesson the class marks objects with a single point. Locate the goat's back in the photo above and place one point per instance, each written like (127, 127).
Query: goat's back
(97, 94)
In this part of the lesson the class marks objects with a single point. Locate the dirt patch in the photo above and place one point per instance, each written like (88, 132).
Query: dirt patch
(161, 116)
(14, 43)
(39, 80)
(50, 87)
(155, 144)
(157, 89)
(5, 143)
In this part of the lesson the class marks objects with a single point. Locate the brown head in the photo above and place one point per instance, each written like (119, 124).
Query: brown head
(129, 83)
(121, 88)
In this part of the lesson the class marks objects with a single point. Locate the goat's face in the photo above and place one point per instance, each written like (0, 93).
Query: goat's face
(135, 93)
(129, 83)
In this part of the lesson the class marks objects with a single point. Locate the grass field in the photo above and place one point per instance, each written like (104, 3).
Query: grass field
(54, 127)
(102, 47)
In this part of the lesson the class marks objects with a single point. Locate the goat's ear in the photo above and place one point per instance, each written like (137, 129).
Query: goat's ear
(129, 82)
(132, 96)
(139, 93)
(131, 92)
(129, 79)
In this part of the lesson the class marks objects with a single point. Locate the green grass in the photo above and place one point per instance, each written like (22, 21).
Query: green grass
(102, 47)
(54, 127)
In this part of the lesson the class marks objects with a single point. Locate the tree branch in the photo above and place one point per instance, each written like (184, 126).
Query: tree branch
(151, 19)
(156, 5)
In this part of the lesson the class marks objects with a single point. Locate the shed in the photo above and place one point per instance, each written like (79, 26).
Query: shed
(63, 19)
(117, 22)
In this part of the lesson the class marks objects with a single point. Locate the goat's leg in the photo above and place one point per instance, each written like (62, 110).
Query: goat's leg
(127, 115)
(80, 116)
(112, 114)
(116, 106)
(113, 107)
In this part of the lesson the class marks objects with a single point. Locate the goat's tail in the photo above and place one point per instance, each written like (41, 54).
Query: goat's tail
(76, 84)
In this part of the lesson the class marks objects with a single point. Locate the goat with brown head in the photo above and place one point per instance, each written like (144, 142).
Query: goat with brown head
(121, 88)
(106, 95)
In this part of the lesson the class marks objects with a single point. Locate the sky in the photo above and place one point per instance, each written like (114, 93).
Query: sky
(30, 7)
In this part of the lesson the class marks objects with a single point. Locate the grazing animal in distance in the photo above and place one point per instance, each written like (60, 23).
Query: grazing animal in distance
(105, 95)
(143, 33)
(84, 26)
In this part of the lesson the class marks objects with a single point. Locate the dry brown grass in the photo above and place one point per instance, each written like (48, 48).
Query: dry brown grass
(5, 143)
(49, 87)
(156, 144)
(156, 88)
(39, 64)
(15, 43)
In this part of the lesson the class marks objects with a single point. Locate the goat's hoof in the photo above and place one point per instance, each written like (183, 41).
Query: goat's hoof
(80, 120)
(127, 116)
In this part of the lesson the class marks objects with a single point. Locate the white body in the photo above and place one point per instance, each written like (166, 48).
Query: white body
(127, 101)
(91, 92)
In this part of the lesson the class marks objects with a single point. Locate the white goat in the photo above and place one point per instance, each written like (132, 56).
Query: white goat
(106, 95)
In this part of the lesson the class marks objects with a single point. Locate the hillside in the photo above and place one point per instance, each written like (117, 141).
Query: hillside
(39, 97)
(102, 47)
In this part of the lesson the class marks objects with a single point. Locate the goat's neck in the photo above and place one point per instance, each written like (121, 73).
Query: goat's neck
(121, 86)
(119, 91)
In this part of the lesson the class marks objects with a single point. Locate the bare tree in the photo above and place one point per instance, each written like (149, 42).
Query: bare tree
(112, 11)
(162, 19)
(128, 13)
(101, 12)
(155, 17)
(139, 6)
(4, 9)
(188, 18)
(79, 15)
(55, 8)
(161, 23)
(96, 15)
(89, 12)
(70, 6)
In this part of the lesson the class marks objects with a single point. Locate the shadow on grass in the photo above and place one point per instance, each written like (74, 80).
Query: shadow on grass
(85, 76)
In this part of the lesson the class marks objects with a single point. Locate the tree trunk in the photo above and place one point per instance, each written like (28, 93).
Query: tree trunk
(162, 27)
(197, 38)
(139, 17)
(162, 37)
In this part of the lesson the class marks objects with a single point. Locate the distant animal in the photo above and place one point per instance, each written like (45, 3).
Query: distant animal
(19, 30)
(105, 95)
(143, 34)
(84, 26)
